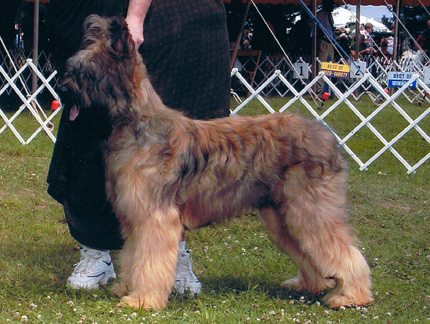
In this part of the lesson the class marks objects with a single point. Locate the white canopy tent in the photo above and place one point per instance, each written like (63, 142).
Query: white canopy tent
(343, 17)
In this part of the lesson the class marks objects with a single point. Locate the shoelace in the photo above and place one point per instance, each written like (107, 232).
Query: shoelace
(185, 266)
(85, 265)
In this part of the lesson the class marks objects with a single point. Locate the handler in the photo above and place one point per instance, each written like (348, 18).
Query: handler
(184, 45)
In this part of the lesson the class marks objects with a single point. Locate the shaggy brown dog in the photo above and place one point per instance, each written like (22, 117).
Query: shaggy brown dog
(166, 172)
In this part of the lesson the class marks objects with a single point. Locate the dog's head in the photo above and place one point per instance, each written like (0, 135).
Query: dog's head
(101, 73)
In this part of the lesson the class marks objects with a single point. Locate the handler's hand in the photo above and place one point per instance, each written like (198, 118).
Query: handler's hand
(135, 26)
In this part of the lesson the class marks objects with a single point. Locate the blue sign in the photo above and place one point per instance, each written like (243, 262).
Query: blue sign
(398, 79)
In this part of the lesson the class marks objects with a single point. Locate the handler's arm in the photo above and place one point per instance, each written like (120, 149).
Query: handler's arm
(137, 10)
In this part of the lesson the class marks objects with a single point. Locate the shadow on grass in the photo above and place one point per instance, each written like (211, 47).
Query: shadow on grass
(259, 284)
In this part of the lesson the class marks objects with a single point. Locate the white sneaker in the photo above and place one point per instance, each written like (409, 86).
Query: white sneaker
(94, 268)
(186, 280)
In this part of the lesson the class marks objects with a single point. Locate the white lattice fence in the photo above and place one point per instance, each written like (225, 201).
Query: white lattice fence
(344, 97)
(379, 67)
(348, 98)
(17, 83)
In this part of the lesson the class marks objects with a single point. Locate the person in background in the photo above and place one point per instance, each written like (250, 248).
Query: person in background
(424, 39)
(384, 52)
(344, 40)
(184, 45)
(363, 47)
(368, 30)
(325, 46)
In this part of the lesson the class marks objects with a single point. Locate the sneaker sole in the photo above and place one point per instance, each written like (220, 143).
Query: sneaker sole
(107, 279)
(184, 289)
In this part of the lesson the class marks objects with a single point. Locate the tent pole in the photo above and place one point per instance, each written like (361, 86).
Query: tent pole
(357, 29)
(314, 44)
(35, 44)
(236, 45)
(396, 31)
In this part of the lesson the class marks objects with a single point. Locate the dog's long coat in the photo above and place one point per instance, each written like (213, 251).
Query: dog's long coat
(166, 172)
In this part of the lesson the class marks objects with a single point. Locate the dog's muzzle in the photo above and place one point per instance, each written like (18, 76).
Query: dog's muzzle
(69, 102)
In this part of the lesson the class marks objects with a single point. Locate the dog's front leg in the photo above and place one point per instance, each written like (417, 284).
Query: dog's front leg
(149, 258)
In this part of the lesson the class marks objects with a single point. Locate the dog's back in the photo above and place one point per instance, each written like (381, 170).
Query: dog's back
(244, 160)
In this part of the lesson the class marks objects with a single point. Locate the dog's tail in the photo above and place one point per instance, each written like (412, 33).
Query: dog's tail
(315, 146)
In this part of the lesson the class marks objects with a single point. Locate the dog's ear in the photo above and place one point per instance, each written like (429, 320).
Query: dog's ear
(122, 43)
(90, 22)
(92, 27)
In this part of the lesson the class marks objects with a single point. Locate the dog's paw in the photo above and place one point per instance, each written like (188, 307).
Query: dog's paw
(336, 300)
(119, 289)
(294, 284)
(297, 284)
(132, 302)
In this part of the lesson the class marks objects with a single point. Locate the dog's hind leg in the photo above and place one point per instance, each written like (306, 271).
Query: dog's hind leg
(308, 278)
(316, 219)
(149, 259)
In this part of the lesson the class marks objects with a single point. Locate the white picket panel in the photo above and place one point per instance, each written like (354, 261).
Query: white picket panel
(368, 84)
(29, 102)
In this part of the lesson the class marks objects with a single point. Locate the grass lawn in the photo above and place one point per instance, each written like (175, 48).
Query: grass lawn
(239, 267)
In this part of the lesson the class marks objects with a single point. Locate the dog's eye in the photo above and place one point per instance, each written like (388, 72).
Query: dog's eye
(66, 94)
(64, 90)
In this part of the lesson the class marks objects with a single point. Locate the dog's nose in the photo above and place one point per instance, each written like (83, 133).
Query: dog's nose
(66, 95)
